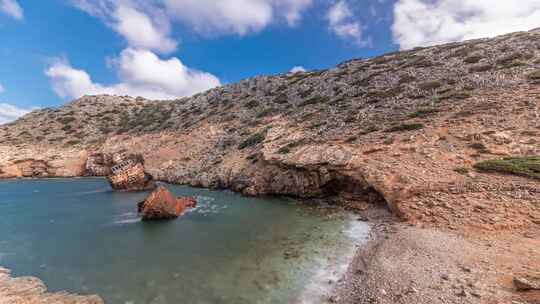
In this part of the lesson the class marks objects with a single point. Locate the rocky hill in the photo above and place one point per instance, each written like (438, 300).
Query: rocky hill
(445, 136)
(404, 129)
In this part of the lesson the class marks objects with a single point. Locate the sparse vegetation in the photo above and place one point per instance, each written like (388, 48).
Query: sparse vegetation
(423, 112)
(473, 59)
(66, 119)
(406, 79)
(253, 140)
(265, 112)
(521, 166)
(462, 170)
(534, 76)
(405, 127)
(455, 95)
(251, 104)
(314, 100)
(480, 147)
(288, 147)
(508, 59)
(480, 68)
(430, 85)
(356, 98)
(369, 129)
(388, 141)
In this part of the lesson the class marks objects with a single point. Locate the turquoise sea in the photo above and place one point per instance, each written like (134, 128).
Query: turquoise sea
(78, 235)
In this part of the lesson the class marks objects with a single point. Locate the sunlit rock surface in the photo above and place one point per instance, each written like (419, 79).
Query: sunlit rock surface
(162, 205)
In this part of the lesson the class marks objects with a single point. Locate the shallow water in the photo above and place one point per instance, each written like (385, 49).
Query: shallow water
(79, 236)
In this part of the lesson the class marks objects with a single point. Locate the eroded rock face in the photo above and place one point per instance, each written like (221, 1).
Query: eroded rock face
(33, 290)
(524, 284)
(129, 175)
(34, 168)
(162, 205)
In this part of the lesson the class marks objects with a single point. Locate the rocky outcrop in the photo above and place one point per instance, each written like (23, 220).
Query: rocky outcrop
(32, 290)
(128, 174)
(162, 205)
(31, 168)
(524, 284)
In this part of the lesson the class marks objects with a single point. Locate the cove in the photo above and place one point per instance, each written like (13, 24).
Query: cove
(78, 235)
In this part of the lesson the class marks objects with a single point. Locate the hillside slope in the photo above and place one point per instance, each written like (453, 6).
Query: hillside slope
(361, 130)
(403, 129)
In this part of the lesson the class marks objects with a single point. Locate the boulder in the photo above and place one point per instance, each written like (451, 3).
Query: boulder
(523, 284)
(162, 205)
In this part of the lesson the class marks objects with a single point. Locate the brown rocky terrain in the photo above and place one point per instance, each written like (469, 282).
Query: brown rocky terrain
(407, 130)
(30, 290)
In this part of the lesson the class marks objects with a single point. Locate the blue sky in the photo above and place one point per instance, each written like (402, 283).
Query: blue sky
(57, 50)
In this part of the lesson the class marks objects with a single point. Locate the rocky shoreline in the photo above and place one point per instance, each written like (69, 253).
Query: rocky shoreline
(31, 290)
(405, 263)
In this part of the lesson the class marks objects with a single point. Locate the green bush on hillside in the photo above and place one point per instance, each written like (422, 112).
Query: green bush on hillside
(473, 59)
(423, 112)
(521, 166)
(430, 85)
(314, 100)
(534, 76)
(253, 140)
(405, 127)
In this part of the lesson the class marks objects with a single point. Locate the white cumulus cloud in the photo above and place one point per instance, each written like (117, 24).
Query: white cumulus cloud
(12, 8)
(344, 24)
(147, 23)
(9, 113)
(429, 22)
(235, 16)
(139, 31)
(140, 23)
(297, 69)
(141, 73)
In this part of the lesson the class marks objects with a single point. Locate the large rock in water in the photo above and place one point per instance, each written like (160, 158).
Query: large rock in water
(162, 205)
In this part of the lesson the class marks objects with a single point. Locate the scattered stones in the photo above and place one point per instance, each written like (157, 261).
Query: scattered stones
(463, 293)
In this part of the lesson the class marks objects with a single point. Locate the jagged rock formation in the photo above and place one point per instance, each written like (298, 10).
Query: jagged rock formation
(32, 290)
(404, 129)
(128, 174)
(162, 205)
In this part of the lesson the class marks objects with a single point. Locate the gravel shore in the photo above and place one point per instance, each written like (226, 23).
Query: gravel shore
(404, 263)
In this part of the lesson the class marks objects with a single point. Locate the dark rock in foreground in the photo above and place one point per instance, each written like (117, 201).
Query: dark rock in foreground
(162, 205)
